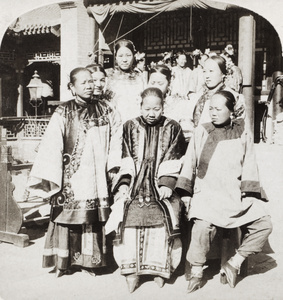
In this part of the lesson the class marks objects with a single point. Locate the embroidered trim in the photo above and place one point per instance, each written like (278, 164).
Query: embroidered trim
(56, 251)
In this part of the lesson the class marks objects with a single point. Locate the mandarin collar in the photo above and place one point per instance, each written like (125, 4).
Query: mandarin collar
(160, 121)
(84, 103)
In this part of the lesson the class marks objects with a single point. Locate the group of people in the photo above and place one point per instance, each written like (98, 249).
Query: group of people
(124, 157)
(186, 80)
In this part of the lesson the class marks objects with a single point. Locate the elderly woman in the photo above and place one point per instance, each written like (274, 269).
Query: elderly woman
(220, 186)
(214, 70)
(124, 83)
(77, 159)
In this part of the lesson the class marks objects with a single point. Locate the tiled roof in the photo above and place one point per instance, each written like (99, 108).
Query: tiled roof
(43, 20)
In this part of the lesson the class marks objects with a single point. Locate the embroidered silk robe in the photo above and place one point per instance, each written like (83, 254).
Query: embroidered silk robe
(150, 227)
(81, 144)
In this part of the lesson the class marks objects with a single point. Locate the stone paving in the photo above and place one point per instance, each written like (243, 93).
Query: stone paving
(23, 278)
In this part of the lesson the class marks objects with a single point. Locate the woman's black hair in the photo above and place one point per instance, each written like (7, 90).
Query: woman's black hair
(73, 74)
(163, 69)
(152, 91)
(229, 97)
(125, 43)
(96, 68)
(221, 62)
(179, 53)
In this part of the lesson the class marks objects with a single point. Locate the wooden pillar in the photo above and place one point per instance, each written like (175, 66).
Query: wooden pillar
(277, 96)
(101, 42)
(93, 29)
(76, 41)
(246, 63)
(1, 99)
(20, 101)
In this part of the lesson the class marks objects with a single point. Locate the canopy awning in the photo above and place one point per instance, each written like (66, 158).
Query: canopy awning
(43, 20)
(101, 11)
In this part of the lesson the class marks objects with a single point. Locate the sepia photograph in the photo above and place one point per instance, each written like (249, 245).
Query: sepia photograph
(141, 149)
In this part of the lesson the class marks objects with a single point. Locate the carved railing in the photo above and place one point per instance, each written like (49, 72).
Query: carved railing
(18, 209)
(35, 128)
(24, 127)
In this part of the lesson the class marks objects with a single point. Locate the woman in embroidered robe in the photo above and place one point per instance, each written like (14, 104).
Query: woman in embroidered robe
(78, 156)
(215, 72)
(219, 183)
(124, 83)
(148, 241)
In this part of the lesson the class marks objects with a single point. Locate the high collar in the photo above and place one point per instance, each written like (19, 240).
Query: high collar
(81, 102)
(225, 125)
(159, 122)
(129, 71)
(85, 103)
(220, 86)
(181, 68)
(236, 124)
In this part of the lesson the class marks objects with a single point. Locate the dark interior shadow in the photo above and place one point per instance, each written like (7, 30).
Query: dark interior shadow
(34, 231)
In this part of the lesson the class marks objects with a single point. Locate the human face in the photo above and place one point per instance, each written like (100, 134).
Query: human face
(181, 60)
(212, 74)
(83, 85)
(98, 82)
(141, 65)
(230, 50)
(124, 58)
(218, 111)
(160, 81)
(151, 109)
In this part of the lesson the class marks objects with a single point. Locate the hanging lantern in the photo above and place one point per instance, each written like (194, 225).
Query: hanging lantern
(35, 87)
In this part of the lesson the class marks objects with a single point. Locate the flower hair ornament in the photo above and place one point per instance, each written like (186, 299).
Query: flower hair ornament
(153, 65)
(207, 51)
(139, 56)
(229, 50)
(167, 55)
(229, 63)
(197, 52)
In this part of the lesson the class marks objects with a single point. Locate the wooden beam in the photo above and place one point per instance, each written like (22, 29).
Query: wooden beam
(17, 239)
(246, 63)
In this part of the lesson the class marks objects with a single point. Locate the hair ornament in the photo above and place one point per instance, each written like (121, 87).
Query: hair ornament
(139, 56)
